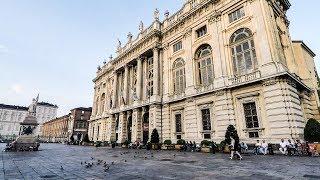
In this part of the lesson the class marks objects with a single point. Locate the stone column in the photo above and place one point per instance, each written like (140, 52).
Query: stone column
(139, 78)
(122, 127)
(125, 85)
(156, 76)
(113, 128)
(136, 125)
(115, 84)
(155, 120)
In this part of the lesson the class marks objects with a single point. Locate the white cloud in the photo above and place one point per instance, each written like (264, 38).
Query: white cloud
(3, 49)
(17, 88)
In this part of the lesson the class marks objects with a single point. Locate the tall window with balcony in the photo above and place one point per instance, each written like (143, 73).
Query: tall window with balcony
(179, 79)
(251, 118)
(150, 77)
(205, 65)
(243, 52)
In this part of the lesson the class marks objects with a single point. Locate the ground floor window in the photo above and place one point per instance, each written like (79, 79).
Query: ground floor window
(253, 134)
(207, 136)
(179, 137)
(206, 121)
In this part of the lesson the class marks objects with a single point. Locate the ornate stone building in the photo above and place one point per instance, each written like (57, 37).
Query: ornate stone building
(211, 64)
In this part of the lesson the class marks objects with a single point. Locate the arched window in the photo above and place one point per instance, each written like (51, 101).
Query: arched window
(103, 97)
(205, 65)
(243, 52)
(179, 79)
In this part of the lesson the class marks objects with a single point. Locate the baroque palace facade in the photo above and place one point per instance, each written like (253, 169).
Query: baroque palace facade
(211, 64)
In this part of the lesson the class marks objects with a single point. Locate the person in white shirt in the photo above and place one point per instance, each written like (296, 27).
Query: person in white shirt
(283, 147)
(264, 147)
(257, 147)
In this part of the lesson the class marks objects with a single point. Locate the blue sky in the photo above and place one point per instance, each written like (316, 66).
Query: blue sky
(53, 47)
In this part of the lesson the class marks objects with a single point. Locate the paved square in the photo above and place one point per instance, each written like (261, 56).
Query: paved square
(142, 164)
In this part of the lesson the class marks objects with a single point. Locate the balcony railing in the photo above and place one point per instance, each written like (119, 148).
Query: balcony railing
(245, 78)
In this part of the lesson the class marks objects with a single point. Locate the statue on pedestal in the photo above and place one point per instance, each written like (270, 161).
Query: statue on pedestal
(27, 141)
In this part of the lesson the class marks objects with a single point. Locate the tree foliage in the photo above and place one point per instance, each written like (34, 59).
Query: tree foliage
(312, 131)
(155, 137)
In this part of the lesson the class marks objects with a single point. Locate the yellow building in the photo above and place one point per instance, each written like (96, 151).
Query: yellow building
(211, 64)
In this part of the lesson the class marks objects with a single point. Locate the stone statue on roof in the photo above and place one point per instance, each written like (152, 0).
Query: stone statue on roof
(156, 15)
(141, 26)
(119, 45)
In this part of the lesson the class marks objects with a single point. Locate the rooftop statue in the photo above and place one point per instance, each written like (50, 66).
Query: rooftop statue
(156, 15)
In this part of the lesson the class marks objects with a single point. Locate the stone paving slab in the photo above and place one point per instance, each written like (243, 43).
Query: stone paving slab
(142, 164)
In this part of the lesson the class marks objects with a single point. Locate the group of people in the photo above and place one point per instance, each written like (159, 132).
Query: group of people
(289, 147)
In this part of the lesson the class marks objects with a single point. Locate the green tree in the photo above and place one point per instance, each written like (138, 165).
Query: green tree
(312, 131)
(155, 137)
(231, 133)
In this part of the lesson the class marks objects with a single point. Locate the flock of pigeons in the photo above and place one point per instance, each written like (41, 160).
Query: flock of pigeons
(106, 166)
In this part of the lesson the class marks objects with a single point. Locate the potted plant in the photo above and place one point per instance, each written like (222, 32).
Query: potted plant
(155, 139)
(125, 144)
(167, 144)
(98, 144)
(179, 144)
(205, 146)
(223, 147)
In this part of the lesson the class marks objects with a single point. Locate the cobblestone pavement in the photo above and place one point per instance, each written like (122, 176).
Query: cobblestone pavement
(140, 164)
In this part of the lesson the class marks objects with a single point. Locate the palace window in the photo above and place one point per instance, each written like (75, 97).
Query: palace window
(243, 52)
(206, 121)
(179, 79)
(237, 14)
(150, 77)
(178, 123)
(251, 117)
(205, 65)
(177, 46)
(201, 31)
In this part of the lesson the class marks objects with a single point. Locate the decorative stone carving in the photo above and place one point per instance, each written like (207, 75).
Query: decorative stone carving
(215, 16)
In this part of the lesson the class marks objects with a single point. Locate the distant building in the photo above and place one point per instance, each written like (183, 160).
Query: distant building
(11, 116)
(56, 130)
(62, 128)
(45, 112)
(79, 122)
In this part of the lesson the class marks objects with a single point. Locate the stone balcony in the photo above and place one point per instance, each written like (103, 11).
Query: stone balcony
(244, 78)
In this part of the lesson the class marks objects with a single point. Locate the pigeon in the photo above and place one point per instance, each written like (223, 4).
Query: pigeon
(92, 158)
(81, 163)
(112, 162)
(106, 169)
(125, 160)
(61, 168)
